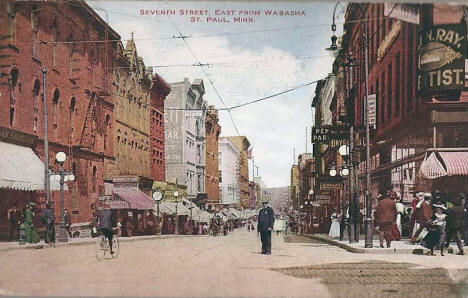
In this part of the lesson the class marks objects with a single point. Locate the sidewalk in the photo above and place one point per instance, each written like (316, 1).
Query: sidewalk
(6, 246)
(397, 247)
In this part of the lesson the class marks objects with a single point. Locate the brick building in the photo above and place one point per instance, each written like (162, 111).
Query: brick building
(159, 91)
(242, 144)
(419, 142)
(79, 104)
(213, 129)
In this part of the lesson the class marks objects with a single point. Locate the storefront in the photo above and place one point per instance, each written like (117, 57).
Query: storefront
(22, 175)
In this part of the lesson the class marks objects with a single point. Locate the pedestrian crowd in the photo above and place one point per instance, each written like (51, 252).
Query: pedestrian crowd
(432, 220)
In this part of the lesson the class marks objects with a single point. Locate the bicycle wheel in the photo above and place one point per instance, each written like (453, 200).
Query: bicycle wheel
(102, 247)
(115, 246)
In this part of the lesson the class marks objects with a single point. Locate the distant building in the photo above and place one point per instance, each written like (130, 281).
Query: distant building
(228, 157)
(278, 197)
(212, 130)
(185, 112)
(242, 144)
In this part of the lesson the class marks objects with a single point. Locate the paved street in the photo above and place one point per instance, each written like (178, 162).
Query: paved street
(227, 266)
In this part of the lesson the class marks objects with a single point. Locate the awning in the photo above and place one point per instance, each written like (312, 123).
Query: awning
(439, 164)
(21, 169)
(135, 198)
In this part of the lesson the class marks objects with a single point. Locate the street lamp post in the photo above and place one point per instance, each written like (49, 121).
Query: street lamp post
(176, 232)
(64, 177)
(368, 220)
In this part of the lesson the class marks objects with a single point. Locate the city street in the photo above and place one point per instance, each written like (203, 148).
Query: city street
(228, 266)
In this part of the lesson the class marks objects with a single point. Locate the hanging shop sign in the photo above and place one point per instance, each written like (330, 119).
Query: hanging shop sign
(372, 105)
(442, 58)
(323, 134)
(406, 12)
(17, 137)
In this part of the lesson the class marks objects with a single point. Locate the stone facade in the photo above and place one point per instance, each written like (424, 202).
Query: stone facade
(78, 97)
(229, 173)
(185, 136)
(131, 92)
(213, 129)
(242, 144)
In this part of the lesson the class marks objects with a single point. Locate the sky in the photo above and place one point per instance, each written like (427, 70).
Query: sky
(242, 62)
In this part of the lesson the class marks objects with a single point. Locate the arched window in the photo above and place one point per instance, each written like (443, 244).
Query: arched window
(35, 94)
(94, 178)
(72, 112)
(55, 101)
(106, 128)
(14, 74)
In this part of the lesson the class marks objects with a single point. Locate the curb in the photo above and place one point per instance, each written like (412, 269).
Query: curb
(415, 251)
(91, 241)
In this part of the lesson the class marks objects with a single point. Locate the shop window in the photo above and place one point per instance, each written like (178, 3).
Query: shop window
(94, 178)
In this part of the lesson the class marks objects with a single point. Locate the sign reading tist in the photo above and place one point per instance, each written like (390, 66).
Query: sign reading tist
(442, 58)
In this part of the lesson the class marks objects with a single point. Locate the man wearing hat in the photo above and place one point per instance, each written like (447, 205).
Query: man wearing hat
(422, 213)
(455, 223)
(266, 219)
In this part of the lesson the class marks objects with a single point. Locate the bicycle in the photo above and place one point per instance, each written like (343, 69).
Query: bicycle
(103, 248)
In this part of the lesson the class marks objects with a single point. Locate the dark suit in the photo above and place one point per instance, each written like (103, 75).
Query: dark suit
(266, 219)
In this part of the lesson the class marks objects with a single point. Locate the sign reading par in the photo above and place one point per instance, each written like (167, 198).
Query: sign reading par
(327, 133)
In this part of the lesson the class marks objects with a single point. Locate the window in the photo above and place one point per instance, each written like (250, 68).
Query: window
(106, 129)
(378, 103)
(11, 20)
(397, 85)
(94, 178)
(14, 74)
(382, 106)
(54, 42)
(72, 111)
(35, 94)
(34, 20)
(55, 101)
(389, 93)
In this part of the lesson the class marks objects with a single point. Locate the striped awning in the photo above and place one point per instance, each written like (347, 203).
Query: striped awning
(439, 164)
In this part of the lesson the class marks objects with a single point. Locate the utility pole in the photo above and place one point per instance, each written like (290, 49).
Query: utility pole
(352, 187)
(46, 136)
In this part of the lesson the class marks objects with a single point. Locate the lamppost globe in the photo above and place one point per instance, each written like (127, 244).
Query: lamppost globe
(344, 172)
(57, 177)
(333, 172)
(176, 194)
(71, 177)
(61, 157)
(65, 178)
(344, 150)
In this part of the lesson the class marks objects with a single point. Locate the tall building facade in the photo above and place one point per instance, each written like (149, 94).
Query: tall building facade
(213, 129)
(78, 96)
(228, 157)
(242, 144)
(159, 90)
(185, 114)
(131, 91)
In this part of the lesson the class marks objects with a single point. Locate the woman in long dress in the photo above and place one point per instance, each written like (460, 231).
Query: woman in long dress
(31, 235)
(335, 226)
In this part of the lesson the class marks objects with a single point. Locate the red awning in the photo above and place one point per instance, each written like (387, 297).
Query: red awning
(135, 198)
(439, 164)
(456, 162)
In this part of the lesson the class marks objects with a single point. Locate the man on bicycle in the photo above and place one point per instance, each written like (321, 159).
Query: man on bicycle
(106, 223)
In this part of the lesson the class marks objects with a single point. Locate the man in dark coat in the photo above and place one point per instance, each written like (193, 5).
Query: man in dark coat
(14, 216)
(106, 223)
(455, 223)
(386, 214)
(48, 219)
(266, 219)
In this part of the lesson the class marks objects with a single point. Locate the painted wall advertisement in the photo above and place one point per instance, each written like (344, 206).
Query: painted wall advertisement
(442, 58)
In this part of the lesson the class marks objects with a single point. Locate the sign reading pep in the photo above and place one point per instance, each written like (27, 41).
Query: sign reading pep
(442, 58)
